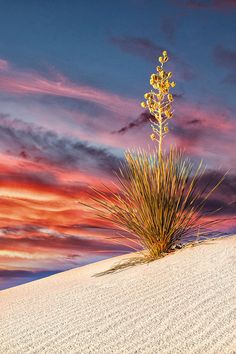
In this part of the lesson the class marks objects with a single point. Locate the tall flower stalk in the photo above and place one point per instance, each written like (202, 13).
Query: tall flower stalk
(161, 196)
(159, 102)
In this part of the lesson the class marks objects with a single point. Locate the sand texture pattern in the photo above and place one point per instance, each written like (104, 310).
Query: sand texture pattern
(183, 303)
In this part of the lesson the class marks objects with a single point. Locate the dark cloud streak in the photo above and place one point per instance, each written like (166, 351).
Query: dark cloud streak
(207, 4)
(139, 46)
(147, 49)
(226, 58)
(35, 143)
(58, 241)
(143, 119)
(169, 27)
(140, 121)
(18, 273)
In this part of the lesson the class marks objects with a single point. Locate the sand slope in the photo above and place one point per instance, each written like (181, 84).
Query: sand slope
(183, 303)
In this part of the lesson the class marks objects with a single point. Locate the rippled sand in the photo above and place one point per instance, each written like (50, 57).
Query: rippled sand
(183, 303)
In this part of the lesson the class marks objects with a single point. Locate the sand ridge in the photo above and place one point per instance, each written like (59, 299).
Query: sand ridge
(183, 303)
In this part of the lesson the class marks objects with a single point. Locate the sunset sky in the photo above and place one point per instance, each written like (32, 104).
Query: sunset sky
(72, 76)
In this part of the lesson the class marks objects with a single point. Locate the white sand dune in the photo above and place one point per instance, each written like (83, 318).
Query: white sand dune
(183, 303)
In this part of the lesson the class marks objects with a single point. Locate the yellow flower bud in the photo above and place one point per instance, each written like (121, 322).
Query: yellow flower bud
(166, 129)
(158, 68)
(170, 97)
(167, 113)
(164, 53)
(165, 59)
(153, 137)
(154, 77)
(169, 74)
(150, 96)
(167, 84)
(147, 95)
(172, 84)
(143, 104)
(160, 59)
(165, 90)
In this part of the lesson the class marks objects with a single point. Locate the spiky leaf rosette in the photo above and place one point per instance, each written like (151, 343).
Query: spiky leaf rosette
(160, 202)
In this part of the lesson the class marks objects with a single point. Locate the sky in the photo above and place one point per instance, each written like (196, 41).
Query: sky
(72, 76)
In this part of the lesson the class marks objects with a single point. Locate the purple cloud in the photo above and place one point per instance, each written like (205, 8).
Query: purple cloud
(139, 46)
(147, 49)
(169, 27)
(35, 143)
(211, 5)
(226, 58)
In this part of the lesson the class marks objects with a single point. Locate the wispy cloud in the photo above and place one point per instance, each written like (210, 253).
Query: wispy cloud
(147, 49)
(195, 128)
(39, 246)
(141, 120)
(207, 4)
(13, 277)
(35, 143)
(4, 66)
(19, 82)
(19, 273)
(226, 58)
(169, 26)
(139, 46)
(224, 196)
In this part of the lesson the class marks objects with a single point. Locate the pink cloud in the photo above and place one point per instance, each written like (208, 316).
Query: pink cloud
(194, 127)
(211, 118)
(206, 132)
(3, 65)
(18, 82)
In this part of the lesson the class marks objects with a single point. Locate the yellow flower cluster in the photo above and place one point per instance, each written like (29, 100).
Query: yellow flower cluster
(159, 102)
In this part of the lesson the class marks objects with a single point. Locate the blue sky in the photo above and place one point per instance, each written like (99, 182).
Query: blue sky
(76, 38)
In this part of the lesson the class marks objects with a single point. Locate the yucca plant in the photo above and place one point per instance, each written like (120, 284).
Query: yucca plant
(161, 197)
(161, 201)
